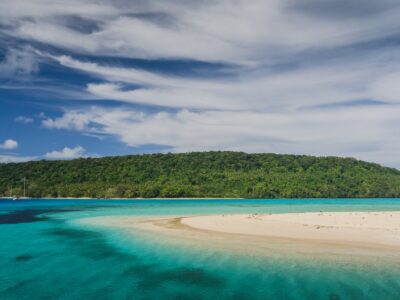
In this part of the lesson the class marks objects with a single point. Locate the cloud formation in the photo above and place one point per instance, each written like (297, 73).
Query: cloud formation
(9, 144)
(66, 153)
(15, 159)
(18, 62)
(309, 77)
(23, 119)
(339, 131)
(224, 30)
(366, 77)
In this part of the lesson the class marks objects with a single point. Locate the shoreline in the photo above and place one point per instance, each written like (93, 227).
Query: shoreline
(188, 198)
(105, 199)
(326, 235)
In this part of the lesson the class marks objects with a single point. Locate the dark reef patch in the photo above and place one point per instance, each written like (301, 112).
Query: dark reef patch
(90, 244)
(31, 215)
(24, 257)
(333, 296)
(28, 215)
(146, 276)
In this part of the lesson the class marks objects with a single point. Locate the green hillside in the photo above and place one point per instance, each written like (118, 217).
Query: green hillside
(202, 174)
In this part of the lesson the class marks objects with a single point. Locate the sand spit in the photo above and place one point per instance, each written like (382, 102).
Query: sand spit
(357, 228)
(336, 236)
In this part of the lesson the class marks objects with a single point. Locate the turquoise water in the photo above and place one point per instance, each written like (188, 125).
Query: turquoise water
(46, 254)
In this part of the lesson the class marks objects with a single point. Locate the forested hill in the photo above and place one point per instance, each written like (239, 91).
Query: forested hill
(202, 174)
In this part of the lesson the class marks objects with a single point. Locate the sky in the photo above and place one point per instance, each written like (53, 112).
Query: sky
(115, 77)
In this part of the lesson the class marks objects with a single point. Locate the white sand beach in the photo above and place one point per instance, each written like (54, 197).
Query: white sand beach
(376, 233)
(356, 228)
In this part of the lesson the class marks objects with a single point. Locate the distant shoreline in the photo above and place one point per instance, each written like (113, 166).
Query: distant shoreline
(184, 198)
(88, 198)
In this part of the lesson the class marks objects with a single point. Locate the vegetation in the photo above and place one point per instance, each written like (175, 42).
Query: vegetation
(201, 174)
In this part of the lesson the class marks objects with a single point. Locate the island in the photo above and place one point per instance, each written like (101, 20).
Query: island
(220, 174)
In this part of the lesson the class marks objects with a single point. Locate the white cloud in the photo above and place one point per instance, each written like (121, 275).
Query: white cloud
(288, 55)
(78, 121)
(224, 30)
(255, 35)
(339, 131)
(23, 119)
(387, 87)
(16, 159)
(9, 144)
(365, 77)
(11, 9)
(66, 153)
(19, 62)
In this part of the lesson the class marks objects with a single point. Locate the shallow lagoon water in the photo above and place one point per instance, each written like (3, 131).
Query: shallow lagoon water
(46, 254)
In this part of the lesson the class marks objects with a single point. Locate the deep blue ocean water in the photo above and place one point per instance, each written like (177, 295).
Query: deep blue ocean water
(46, 254)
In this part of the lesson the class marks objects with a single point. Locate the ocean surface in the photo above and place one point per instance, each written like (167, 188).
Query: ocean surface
(47, 253)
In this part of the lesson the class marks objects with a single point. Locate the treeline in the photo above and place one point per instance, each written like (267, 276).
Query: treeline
(201, 174)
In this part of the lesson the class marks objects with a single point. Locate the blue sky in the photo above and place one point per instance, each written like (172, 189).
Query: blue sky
(97, 78)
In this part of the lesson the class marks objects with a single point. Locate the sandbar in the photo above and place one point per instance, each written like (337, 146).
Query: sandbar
(380, 229)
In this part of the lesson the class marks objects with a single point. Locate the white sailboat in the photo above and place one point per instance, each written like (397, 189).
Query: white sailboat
(11, 195)
(14, 198)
